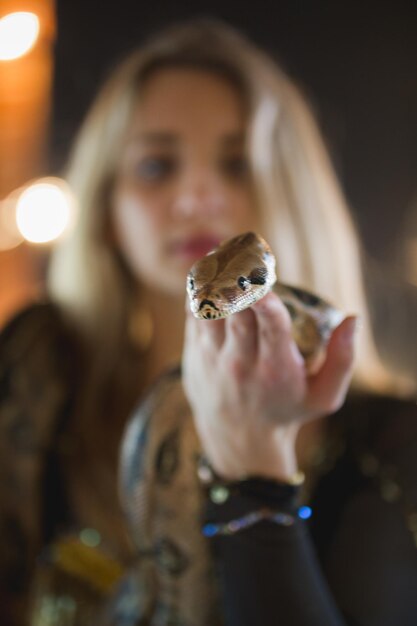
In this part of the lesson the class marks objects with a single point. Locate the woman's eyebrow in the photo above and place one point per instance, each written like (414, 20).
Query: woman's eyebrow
(154, 137)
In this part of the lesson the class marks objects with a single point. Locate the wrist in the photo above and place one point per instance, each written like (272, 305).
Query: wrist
(285, 467)
(263, 450)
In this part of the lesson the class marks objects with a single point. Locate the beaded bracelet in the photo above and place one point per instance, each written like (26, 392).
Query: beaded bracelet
(254, 517)
(219, 490)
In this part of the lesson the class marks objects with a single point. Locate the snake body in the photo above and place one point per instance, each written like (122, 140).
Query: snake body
(174, 583)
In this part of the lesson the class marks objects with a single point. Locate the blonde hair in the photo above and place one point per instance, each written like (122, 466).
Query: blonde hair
(304, 214)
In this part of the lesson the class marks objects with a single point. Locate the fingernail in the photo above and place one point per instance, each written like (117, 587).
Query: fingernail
(351, 326)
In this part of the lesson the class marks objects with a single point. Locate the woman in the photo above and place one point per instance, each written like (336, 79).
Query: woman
(161, 177)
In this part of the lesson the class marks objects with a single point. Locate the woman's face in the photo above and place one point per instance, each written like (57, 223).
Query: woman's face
(183, 183)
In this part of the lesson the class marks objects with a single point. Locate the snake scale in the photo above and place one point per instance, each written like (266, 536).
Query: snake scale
(174, 582)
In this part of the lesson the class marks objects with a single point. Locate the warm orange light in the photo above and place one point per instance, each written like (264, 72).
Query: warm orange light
(10, 237)
(18, 34)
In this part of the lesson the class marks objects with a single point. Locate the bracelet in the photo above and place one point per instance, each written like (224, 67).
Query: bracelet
(219, 490)
(254, 517)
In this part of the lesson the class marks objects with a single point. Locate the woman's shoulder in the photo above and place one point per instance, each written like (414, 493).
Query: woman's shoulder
(27, 322)
(40, 362)
(38, 329)
(39, 377)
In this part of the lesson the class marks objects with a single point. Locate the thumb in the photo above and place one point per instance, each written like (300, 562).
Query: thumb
(328, 388)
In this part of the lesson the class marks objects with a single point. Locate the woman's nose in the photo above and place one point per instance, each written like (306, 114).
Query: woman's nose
(200, 192)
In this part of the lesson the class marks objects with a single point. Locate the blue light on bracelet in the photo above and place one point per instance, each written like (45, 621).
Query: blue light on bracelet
(236, 525)
(305, 512)
(210, 530)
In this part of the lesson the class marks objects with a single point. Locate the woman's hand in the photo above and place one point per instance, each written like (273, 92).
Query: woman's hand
(248, 388)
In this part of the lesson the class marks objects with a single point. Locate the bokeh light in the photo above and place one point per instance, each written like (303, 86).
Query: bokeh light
(44, 210)
(18, 34)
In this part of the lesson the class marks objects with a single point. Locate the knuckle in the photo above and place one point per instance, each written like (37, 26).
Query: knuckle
(273, 377)
(238, 369)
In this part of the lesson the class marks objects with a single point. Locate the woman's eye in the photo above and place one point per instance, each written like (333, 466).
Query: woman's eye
(154, 168)
(236, 167)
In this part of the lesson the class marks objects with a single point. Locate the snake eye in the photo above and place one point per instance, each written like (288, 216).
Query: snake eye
(243, 282)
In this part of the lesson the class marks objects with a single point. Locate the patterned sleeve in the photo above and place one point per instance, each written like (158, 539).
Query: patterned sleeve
(34, 393)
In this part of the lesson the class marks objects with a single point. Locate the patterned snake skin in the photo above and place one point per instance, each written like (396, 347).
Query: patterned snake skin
(175, 582)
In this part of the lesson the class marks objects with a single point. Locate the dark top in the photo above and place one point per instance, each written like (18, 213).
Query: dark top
(354, 562)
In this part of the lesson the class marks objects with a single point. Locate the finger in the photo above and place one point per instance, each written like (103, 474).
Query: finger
(213, 332)
(188, 353)
(328, 388)
(241, 336)
(190, 333)
(275, 341)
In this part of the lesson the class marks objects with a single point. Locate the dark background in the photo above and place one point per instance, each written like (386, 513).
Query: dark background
(356, 62)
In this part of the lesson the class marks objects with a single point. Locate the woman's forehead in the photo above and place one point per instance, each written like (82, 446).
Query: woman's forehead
(176, 99)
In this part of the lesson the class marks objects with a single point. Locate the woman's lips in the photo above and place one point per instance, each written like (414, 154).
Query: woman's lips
(196, 246)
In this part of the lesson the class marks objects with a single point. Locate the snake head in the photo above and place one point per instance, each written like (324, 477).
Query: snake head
(231, 278)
